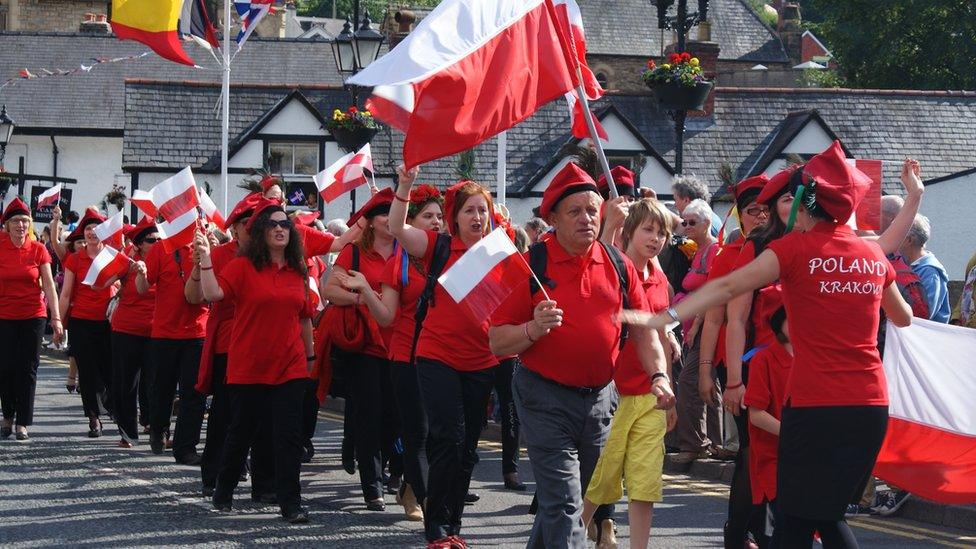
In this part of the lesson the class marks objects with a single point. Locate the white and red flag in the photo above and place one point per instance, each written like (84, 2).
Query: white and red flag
(344, 174)
(486, 274)
(210, 209)
(49, 197)
(108, 264)
(109, 232)
(930, 447)
(580, 129)
(175, 196)
(179, 232)
(470, 70)
(143, 200)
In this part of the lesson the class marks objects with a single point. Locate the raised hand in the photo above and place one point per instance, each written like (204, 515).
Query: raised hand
(201, 244)
(911, 176)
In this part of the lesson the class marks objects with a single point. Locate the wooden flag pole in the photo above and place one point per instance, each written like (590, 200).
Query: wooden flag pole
(502, 166)
(594, 137)
(225, 114)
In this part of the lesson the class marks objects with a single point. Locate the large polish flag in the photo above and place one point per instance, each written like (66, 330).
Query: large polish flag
(344, 174)
(470, 70)
(179, 232)
(49, 197)
(210, 209)
(107, 264)
(486, 274)
(144, 201)
(930, 448)
(177, 195)
(109, 232)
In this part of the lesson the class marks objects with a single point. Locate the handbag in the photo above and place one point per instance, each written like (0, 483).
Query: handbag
(348, 325)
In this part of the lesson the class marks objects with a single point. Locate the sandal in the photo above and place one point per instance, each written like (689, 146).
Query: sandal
(71, 384)
(94, 428)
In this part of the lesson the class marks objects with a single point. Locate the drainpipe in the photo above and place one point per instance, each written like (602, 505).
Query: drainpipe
(54, 155)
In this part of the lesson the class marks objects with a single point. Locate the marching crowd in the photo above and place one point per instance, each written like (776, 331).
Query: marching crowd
(645, 328)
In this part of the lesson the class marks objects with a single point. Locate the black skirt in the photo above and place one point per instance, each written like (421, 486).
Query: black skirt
(826, 456)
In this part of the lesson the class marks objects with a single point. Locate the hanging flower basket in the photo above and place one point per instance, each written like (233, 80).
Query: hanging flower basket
(353, 139)
(353, 128)
(679, 84)
(678, 97)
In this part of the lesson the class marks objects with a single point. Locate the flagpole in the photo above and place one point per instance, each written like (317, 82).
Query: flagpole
(502, 166)
(594, 137)
(225, 96)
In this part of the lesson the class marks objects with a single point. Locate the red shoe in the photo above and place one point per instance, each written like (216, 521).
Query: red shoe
(125, 444)
(457, 542)
(443, 543)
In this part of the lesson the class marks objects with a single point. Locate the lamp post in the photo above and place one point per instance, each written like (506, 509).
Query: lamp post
(680, 23)
(6, 131)
(353, 49)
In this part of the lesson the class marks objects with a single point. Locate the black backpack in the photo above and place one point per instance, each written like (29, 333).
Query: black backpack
(442, 252)
(539, 257)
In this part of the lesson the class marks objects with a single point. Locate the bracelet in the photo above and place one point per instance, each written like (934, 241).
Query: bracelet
(359, 298)
(736, 386)
(56, 319)
(658, 375)
(527, 336)
(705, 361)
(673, 314)
(401, 199)
(202, 268)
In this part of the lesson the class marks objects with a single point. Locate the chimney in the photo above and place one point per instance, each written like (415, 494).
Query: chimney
(707, 54)
(404, 20)
(791, 31)
(95, 23)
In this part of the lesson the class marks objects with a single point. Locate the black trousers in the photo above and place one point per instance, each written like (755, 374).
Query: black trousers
(282, 405)
(129, 356)
(20, 350)
(413, 426)
(510, 420)
(310, 411)
(374, 419)
(455, 403)
(92, 344)
(176, 362)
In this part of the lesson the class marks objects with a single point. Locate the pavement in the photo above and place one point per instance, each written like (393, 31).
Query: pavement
(64, 489)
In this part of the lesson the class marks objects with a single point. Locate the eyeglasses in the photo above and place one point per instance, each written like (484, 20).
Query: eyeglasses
(688, 222)
(284, 224)
(756, 211)
(150, 240)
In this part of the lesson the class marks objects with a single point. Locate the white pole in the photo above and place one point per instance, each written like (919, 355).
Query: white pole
(502, 165)
(225, 96)
(596, 138)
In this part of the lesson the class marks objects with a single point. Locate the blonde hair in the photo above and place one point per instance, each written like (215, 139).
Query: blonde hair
(642, 211)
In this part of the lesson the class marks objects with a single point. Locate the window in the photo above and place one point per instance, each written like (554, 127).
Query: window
(293, 158)
(603, 79)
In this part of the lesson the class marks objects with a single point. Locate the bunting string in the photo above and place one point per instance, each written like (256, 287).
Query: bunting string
(29, 74)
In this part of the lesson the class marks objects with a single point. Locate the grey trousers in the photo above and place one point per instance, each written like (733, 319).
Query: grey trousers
(564, 432)
(699, 424)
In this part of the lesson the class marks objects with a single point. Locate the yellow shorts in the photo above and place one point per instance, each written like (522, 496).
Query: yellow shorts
(634, 453)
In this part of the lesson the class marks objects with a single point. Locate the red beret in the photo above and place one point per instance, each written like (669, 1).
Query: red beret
(622, 177)
(269, 181)
(379, 204)
(16, 207)
(259, 208)
(91, 217)
(777, 185)
(755, 183)
(570, 180)
(306, 218)
(145, 225)
(244, 208)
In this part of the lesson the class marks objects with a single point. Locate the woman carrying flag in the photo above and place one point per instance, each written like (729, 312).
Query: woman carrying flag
(26, 264)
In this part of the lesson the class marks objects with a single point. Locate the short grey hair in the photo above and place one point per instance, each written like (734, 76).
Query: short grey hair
(337, 227)
(700, 209)
(891, 204)
(921, 231)
(537, 224)
(690, 187)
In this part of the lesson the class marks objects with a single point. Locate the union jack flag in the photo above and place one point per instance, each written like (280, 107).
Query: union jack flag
(251, 13)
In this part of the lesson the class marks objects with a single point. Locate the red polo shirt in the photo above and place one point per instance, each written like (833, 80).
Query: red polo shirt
(762, 334)
(314, 241)
(769, 372)
(266, 343)
(832, 286)
(222, 312)
(134, 313)
(86, 302)
(403, 327)
(450, 336)
(174, 318)
(20, 276)
(630, 377)
(581, 352)
(724, 264)
(371, 264)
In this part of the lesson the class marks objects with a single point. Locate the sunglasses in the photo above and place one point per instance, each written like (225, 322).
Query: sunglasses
(284, 224)
(756, 211)
(150, 240)
(688, 222)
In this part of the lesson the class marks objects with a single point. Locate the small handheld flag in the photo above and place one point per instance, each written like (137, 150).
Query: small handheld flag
(50, 197)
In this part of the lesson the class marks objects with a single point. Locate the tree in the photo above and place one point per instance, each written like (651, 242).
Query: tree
(903, 44)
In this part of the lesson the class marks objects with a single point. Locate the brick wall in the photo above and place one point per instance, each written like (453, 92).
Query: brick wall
(56, 15)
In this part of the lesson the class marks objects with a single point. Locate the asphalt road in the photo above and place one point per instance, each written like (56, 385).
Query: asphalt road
(63, 489)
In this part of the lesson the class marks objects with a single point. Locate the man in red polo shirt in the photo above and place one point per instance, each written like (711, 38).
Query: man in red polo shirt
(568, 347)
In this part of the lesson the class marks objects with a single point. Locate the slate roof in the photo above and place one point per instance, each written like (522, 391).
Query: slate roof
(97, 99)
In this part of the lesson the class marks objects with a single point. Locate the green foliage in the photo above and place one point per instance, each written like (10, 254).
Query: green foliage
(819, 78)
(762, 9)
(681, 68)
(907, 44)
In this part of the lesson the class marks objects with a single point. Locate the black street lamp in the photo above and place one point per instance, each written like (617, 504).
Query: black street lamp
(6, 131)
(680, 23)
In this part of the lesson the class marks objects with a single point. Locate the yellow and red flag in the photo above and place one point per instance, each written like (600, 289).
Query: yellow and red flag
(153, 23)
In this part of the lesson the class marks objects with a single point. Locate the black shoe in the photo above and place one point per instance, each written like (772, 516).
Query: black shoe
(94, 428)
(192, 460)
(22, 436)
(376, 505)
(393, 486)
(512, 482)
(298, 516)
(308, 453)
(5, 432)
(264, 498)
(470, 498)
(349, 464)
(222, 506)
(156, 442)
(208, 491)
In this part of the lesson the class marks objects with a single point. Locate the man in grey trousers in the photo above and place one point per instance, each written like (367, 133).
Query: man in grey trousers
(567, 336)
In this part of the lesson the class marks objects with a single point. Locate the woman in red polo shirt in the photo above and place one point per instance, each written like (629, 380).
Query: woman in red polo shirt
(131, 328)
(270, 350)
(374, 413)
(85, 307)
(403, 282)
(834, 282)
(26, 272)
(454, 361)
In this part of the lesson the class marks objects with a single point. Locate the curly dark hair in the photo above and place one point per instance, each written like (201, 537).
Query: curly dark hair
(260, 255)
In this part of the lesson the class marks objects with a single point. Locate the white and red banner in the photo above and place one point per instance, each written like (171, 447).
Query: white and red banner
(345, 174)
(930, 448)
(109, 232)
(143, 200)
(580, 129)
(470, 70)
(868, 214)
(210, 209)
(175, 196)
(109, 263)
(486, 274)
(49, 197)
(179, 232)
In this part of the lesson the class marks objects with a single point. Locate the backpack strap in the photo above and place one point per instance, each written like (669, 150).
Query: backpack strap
(623, 277)
(355, 257)
(538, 257)
(438, 260)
